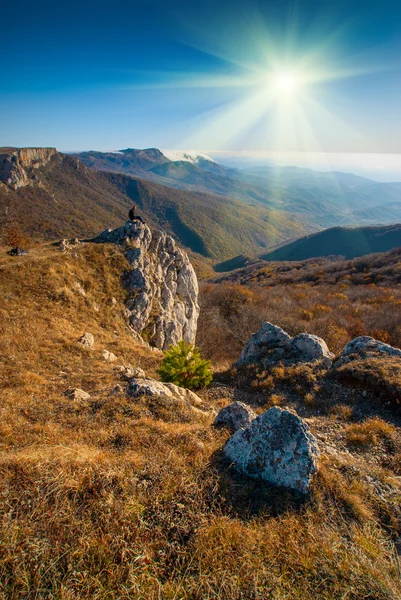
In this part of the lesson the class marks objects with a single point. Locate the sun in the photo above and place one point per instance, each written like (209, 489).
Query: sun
(287, 83)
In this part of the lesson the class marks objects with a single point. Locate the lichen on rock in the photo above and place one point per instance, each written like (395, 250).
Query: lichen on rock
(278, 448)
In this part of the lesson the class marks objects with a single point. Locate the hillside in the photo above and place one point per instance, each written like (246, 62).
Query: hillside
(63, 197)
(339, 241)
(380, 269)
(113, 496)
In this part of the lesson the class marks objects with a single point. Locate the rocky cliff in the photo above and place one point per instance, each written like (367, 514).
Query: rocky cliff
(17, 164)
(163, 289)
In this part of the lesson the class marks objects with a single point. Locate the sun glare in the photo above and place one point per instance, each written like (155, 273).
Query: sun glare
(286, 83)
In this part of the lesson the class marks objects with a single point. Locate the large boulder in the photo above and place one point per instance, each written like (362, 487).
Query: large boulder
(235, 416)
(365, 346)
(163, 289)
(309, 347)
(271, 344)
(278, 448)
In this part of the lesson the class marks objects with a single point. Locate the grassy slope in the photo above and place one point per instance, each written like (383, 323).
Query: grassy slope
(340, 241)
(68, 199)
(110, 498)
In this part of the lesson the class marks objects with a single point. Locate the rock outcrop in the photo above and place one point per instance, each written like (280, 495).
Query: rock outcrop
(180, 399)
(18, 164)
(278, 448)
(271, 344)
(154, 388)
(235, 416)
(364, 347)
(162, 285)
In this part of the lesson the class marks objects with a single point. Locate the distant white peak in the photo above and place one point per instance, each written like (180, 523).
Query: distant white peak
(186, 155)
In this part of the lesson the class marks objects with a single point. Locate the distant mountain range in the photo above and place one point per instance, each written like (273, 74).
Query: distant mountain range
(213, 210)
(319, 200)
(55, 195)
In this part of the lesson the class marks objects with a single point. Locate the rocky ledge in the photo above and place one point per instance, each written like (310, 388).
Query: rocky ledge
(162, 304)
(16, 164)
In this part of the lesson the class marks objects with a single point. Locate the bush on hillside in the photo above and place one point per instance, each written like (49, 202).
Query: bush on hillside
(184, 366)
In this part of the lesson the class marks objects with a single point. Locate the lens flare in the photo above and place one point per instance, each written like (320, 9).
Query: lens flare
(286, 83)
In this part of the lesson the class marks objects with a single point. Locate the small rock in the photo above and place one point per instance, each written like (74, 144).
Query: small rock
(109, 356)
(128, 372)
(76, 394)
(64, 246)
(277, 447)
(138, 372)
(86, 340)
(80, 289)
(235, 416)
(113, 301)
(17, 251)
(152, 387)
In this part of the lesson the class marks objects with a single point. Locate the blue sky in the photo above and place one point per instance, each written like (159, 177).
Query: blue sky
(103, 75)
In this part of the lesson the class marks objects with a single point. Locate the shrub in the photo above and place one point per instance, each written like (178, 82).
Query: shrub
(184, 366)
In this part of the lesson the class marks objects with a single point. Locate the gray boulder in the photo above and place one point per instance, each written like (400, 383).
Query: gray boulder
(271, 344)
(278, 448)
(235, 416)
(364, 346)
(162, 285)
(268, 338)
(309, 347)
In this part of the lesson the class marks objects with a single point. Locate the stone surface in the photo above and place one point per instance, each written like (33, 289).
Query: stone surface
(235, 416)
(309, 347)
(182, 397)
(154, 388)
(271, 344)
(162, 285)
(129, 372)
(17, 165)
(86, 340)
(109, 356)
(76, 394)
(364, 346)
(277, 447)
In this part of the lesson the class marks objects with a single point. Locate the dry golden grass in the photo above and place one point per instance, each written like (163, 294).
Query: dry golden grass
(111, 498)
(370, 432)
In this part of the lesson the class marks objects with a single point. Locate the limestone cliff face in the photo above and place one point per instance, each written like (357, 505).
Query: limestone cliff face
(163, 289)
(17, 164)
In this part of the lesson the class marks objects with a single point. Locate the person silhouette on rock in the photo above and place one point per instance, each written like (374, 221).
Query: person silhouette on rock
(134, 217)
